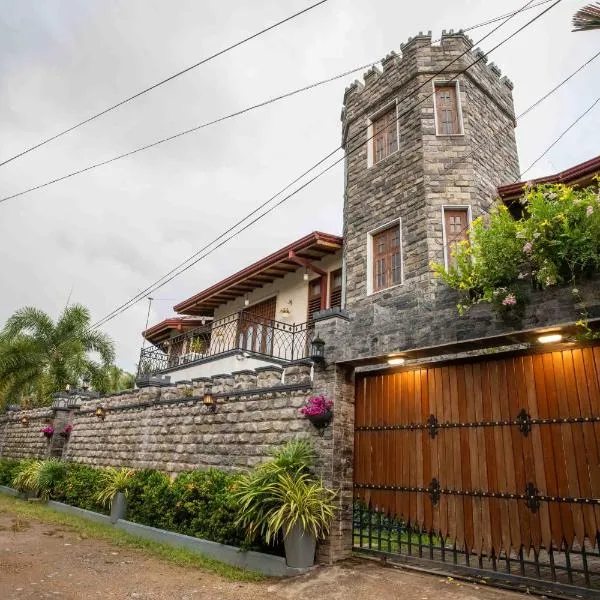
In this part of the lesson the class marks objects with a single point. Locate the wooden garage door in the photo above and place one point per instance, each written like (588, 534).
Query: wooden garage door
(494, 456)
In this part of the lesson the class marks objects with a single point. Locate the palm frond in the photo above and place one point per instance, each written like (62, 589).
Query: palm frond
(587, 18)
(29, 320)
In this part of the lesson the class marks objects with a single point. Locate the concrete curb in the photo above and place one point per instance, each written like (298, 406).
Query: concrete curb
(266, 564)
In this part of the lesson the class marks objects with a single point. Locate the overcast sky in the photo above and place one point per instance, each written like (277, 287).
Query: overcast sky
(101, 237)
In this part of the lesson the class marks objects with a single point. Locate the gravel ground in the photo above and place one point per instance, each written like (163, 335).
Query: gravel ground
(39, 560)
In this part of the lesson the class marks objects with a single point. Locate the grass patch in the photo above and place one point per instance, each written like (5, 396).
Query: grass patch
(178, 556)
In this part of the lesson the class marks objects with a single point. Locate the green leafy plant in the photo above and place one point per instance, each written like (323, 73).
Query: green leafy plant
(114, 481)
(299, 500)
(556, 242)
(40, 477)
(8, 470)
(281, 493)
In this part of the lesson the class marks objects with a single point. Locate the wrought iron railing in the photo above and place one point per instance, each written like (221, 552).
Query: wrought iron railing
(241, 331)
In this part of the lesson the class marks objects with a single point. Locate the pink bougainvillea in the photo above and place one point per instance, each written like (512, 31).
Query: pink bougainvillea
(316, 405)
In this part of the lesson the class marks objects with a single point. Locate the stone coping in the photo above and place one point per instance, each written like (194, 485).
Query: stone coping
(266, 564)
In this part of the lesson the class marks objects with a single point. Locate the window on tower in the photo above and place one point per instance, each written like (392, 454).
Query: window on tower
(384, 135)
(386, 258)
(456, 230)
(448, 119)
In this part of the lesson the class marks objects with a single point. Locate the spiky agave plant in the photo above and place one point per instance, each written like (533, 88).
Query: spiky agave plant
(587, 18)
(114, 481)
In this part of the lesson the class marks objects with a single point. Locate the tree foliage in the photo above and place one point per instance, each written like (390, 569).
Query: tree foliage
(39, 356)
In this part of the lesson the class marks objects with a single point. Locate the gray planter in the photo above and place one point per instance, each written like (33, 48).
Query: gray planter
(299, 548)
(118, 507)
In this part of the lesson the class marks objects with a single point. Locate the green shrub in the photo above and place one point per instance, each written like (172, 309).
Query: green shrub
(113, 482)
(80, 487)
(149, 498)
(8, 470)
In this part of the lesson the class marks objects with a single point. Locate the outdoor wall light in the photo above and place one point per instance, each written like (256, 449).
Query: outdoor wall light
(209, 402)
(550, 339)
(305, 277)
(85, 384)
(68, 388)
(396, 361)
(25, 421)
(317, 350)
(246, 301)
(100, 412)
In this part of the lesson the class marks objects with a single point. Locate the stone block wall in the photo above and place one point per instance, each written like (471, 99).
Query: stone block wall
(170, 429)
(19, 441)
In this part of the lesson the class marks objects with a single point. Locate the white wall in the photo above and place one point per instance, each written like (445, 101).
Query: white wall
(291, 292)
(218, 366)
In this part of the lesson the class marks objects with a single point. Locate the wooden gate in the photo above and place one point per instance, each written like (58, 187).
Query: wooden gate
(489, 464)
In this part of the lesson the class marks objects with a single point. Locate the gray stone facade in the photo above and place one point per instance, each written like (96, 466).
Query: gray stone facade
(414, 183)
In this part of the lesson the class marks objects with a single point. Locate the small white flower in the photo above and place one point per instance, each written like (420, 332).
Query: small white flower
(575, 292)
(589, 211)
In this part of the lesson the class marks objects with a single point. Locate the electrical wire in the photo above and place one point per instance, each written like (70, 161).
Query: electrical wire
(198, 256)
(234, 114)
(163, 81)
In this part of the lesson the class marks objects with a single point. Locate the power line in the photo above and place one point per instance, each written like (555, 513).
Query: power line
(236, 114)
(163, 81)
(583, 114)
(196, 258)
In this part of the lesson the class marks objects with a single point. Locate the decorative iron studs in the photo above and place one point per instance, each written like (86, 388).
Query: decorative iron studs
(432, 425)
(524, 422)
(434, 491)
(532, 500)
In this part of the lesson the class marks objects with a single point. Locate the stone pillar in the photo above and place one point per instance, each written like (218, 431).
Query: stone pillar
(336, 382)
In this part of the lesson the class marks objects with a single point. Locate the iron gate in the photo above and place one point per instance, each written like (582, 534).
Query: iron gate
(490, 467)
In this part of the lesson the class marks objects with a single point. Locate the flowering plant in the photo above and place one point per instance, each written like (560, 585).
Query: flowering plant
(47, 430)
(316, 406)
(66, 431)
(555, 242)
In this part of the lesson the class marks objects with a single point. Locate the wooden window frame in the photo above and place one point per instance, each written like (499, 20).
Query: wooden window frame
(450, 207)
(388, 108)
(339, 289)
(371, 272)
(322, 297)
(459, 115)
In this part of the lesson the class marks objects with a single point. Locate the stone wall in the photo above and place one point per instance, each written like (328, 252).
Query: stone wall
(170, 429)
(25, 441)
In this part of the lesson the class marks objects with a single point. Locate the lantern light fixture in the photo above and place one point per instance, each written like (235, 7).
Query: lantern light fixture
(305, 277)
(25, 421)
(85, 384)
(246, 300)
(550, 339)
(317, 350)
(100, 412)
(209, 402)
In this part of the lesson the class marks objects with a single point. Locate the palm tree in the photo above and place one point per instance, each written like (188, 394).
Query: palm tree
(38, 356)
(116, 380)
(587, 17)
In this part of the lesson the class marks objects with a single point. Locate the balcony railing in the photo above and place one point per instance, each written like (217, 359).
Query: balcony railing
(239, 332)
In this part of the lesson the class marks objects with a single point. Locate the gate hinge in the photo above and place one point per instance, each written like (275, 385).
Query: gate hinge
(532, 500)
(434, 491)
(524, 422)
(432, 425)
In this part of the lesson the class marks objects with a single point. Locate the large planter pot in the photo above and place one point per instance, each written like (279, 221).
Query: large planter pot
(118, 507)
(299, 548)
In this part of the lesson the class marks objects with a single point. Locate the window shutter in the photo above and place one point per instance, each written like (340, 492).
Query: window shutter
(385, 135)
(335, 289)
(447, 110)
(314, 299)
(387, 258)
(456, 229)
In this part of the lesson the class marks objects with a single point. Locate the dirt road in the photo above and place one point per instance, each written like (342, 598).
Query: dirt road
(39, 560)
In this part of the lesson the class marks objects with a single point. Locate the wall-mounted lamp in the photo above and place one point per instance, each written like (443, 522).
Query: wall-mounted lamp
(25, 421)
(85, 384)
(68, 388)
(246, 300)
(396, 360)
(550, 339)
(100, 412)
(209, 402)
(317, 350)
(305, 277)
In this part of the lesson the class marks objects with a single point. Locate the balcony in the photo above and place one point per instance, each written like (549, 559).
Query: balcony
(240, 333)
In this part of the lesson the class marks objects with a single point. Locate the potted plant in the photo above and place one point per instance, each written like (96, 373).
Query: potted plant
(47, 430)
(114, 491)
(66, 431)
(318, 411)
(281, 498)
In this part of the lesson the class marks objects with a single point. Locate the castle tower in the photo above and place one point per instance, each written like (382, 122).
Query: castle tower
(428, 162)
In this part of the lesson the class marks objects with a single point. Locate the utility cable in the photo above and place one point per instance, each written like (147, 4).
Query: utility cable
(183, 268)
(234, 114)
(163, 81)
